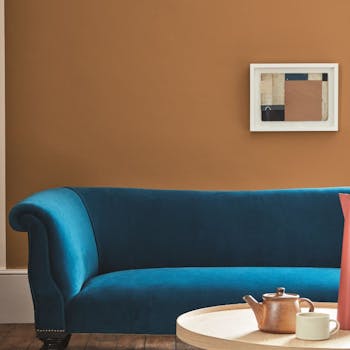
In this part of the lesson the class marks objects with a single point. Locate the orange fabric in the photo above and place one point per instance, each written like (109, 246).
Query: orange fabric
(344, 286)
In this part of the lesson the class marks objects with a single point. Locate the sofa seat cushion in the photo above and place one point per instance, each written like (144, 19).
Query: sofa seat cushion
(149, 300)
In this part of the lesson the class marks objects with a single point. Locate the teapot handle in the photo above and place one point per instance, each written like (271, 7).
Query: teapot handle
(311, 307)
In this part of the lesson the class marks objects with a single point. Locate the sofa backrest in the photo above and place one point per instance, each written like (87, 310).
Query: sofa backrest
(137, 228)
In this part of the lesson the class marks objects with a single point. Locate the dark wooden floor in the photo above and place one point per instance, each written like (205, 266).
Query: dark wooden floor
(22, 337)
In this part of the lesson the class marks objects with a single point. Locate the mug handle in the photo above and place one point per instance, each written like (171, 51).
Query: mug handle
(336, 327)
(311, 307)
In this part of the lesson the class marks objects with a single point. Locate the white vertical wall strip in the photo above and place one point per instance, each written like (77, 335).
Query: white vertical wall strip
(2, 140)
(15, 299)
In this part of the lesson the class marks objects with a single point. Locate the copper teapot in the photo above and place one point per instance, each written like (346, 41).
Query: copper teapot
(276, 313)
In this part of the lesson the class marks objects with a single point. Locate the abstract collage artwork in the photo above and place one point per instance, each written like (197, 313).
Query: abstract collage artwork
(294, 97)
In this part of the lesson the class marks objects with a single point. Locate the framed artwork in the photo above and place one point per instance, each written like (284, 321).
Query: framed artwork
(294, 97)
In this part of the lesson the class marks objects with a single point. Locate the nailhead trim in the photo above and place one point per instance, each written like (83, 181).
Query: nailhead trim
(51, 330)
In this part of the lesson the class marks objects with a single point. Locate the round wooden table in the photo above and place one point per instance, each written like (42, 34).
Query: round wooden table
(234, 327)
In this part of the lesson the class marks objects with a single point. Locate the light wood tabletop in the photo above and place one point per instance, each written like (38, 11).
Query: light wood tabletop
(234, 327)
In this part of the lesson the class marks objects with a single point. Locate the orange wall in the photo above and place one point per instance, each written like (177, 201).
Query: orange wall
(155, 93)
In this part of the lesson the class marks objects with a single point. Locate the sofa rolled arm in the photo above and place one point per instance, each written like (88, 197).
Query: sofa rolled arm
(62, 250)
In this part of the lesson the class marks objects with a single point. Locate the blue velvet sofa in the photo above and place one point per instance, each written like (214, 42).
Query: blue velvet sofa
(132, 260)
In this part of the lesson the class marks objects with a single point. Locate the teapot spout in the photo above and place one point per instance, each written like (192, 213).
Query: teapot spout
(256, 307)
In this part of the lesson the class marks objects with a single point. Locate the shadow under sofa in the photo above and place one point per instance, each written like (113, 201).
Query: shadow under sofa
(120, 260)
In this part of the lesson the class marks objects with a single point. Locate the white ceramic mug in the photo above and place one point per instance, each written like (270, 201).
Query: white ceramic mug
(314, 326)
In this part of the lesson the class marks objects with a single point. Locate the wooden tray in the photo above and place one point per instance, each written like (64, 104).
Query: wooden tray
(234, 327)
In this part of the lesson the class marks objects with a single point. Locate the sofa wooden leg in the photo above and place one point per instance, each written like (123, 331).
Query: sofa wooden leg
(54, 340)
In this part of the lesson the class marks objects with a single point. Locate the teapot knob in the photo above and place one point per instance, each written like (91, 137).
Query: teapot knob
(280, 291)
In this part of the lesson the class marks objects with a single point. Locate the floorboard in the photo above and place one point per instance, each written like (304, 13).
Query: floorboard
(18, 343)
(164, 342)
(79, 341)
(131, 342)
(22, 337)
(102, 341)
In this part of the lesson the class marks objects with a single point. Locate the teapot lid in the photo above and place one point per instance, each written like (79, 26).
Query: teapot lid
(280, 294)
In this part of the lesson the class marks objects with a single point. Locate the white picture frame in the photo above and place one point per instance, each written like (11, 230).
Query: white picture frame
(256, 122)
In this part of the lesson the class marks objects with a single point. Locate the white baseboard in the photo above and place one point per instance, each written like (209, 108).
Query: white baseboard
(15, 299)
